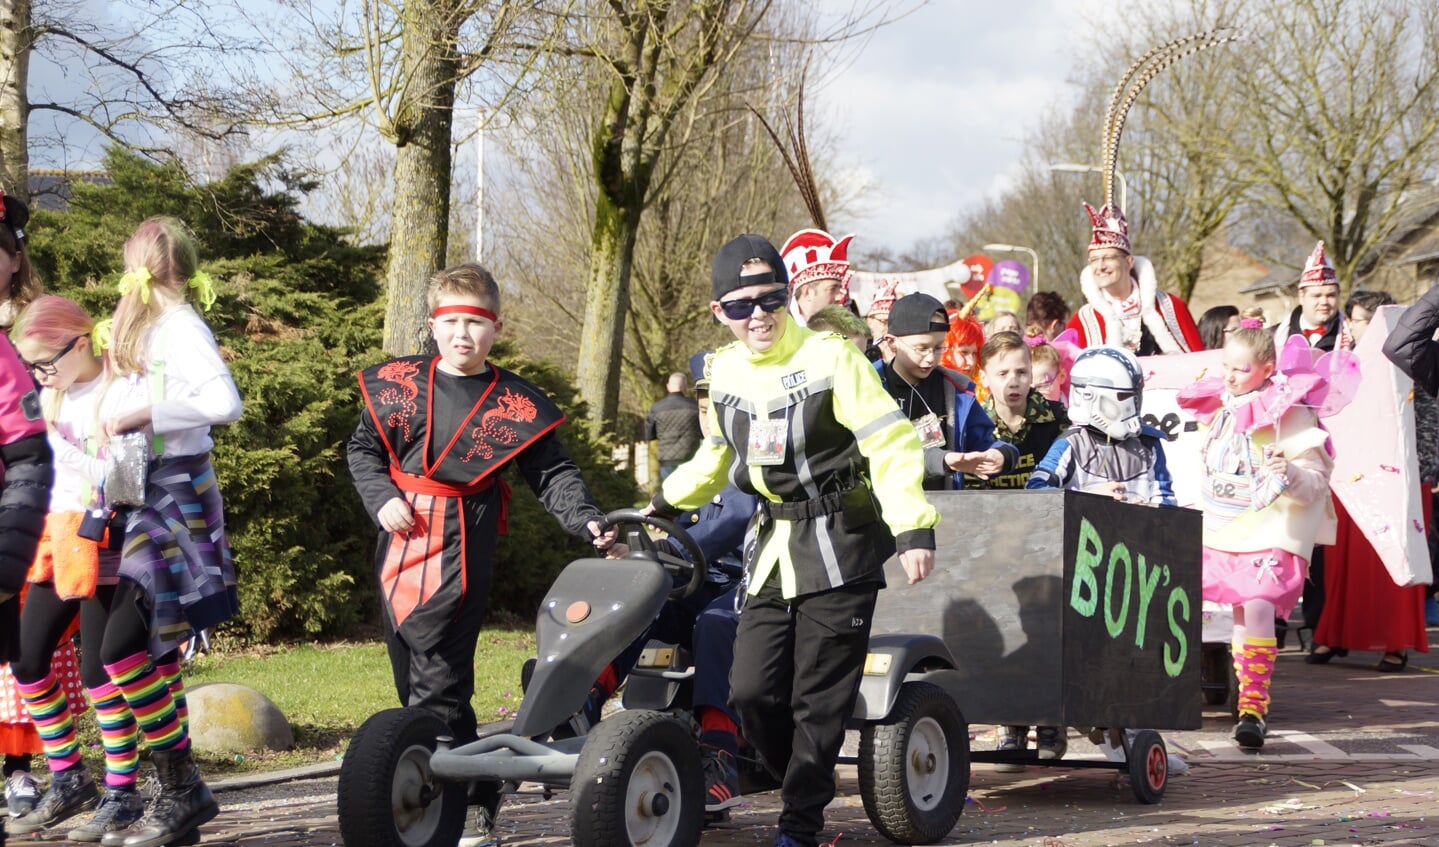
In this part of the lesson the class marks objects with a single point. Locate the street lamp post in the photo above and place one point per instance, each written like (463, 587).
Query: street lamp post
(1073, 168)
(1015, 248)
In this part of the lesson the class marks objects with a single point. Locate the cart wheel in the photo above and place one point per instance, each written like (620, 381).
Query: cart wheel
(638, 783)
(914, 766)
(1215, 664)
(388, 797)
(1148, 766)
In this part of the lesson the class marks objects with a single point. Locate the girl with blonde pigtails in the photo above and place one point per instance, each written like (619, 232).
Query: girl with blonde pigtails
(176, 573)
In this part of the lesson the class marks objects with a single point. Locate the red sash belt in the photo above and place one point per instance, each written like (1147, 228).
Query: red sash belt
(435, 488)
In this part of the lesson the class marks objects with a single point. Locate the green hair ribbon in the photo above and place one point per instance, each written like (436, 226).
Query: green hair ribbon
(102, 334)
(136, 280)
(204, 286)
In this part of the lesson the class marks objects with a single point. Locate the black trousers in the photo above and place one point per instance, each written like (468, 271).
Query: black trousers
(442, 678)
(44, 619)
(796, 673)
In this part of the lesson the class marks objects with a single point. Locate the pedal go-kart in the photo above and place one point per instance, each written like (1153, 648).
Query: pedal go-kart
(634, 777)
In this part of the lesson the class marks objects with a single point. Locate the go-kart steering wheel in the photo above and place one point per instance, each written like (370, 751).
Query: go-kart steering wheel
(694, 567)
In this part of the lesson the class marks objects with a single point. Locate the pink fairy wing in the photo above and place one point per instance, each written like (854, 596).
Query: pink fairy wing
(1296, 356)
(1283, 394)
(1202, 398)
(1341, 374)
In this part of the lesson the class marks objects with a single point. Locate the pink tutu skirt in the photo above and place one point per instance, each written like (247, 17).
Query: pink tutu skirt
(1274, 575)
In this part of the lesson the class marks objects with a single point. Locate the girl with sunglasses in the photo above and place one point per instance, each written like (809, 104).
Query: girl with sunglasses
(74, 577)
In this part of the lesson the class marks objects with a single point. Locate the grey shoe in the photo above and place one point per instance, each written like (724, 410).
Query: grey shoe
(71, 792)
(119, 809)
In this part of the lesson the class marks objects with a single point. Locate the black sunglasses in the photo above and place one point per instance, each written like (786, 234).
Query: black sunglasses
(48, 367)
(742, 307)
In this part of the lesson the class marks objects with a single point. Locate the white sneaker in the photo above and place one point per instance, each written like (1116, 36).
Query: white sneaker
(21, 793)
(1011, 739)
(1051, 742)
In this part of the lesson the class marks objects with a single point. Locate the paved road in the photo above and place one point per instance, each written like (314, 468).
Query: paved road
(1352, 761)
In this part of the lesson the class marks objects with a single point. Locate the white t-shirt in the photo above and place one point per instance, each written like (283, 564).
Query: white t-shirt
(79, 466)
(198, 390)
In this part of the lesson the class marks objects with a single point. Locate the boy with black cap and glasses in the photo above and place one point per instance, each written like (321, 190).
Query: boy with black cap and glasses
(800, 419)
(957, 434)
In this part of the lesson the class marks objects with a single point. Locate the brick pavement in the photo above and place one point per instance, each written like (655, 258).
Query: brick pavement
(1288, 801)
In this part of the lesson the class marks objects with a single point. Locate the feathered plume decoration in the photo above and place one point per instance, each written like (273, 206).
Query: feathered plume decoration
(1135, 78)
(796, 156)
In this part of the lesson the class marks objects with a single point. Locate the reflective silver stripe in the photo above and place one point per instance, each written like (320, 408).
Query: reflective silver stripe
(727, 416)
(732, 401)
(799, 395)
(878, 424)
(830, 558)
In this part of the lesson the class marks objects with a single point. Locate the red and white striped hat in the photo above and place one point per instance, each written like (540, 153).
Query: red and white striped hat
(1110, 228)
(1317, 270)
(812, 254)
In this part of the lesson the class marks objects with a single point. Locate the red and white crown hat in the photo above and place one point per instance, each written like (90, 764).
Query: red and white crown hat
(812, 254)
(1317, 270)
(1110, 229)
(884, 296)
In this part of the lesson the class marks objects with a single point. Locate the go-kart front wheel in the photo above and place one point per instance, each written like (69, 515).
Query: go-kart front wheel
(637, 783)
(388, 796)
(914, 766)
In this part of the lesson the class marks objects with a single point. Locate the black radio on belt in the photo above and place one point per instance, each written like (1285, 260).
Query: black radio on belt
(96, 521)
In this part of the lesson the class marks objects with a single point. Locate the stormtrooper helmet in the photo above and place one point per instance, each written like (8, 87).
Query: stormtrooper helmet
(1106, 386)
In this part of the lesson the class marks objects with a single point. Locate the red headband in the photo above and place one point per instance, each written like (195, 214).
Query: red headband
(464, 310)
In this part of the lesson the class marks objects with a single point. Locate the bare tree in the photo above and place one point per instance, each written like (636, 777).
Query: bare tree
(1341, 117)
(662, 57)
(134, 75)
(401, 66)
(719, 177)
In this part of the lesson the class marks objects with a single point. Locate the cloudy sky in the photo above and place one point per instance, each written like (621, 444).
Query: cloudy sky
(934, 106)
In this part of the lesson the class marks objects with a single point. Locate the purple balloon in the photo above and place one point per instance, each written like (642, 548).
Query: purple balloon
(1010, 274)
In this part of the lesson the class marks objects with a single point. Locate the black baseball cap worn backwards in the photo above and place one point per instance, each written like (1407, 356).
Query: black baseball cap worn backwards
(914, 314)
(731, 257)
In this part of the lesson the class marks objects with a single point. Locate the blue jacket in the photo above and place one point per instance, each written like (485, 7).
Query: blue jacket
(967, 428)
(718, 527)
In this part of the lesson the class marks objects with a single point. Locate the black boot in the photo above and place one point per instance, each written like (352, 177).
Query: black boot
(71, 792)
(184, 802)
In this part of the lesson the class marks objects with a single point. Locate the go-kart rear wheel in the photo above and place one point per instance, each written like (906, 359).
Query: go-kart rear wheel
(914, 766)
(1148, 766)
(388, 796)
(637, 783)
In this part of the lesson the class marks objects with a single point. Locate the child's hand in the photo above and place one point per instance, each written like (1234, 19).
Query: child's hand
(982, 465)
(606, 541)
(396, 516)
(127, 422)
(1113, 489)
(917, 564)
(1276, 464)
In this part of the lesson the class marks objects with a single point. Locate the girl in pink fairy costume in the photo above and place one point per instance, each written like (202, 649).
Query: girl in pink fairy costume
(1265, 494)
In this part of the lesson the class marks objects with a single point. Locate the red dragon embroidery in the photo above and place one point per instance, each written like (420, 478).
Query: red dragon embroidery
(509, 407)
(403, 374)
